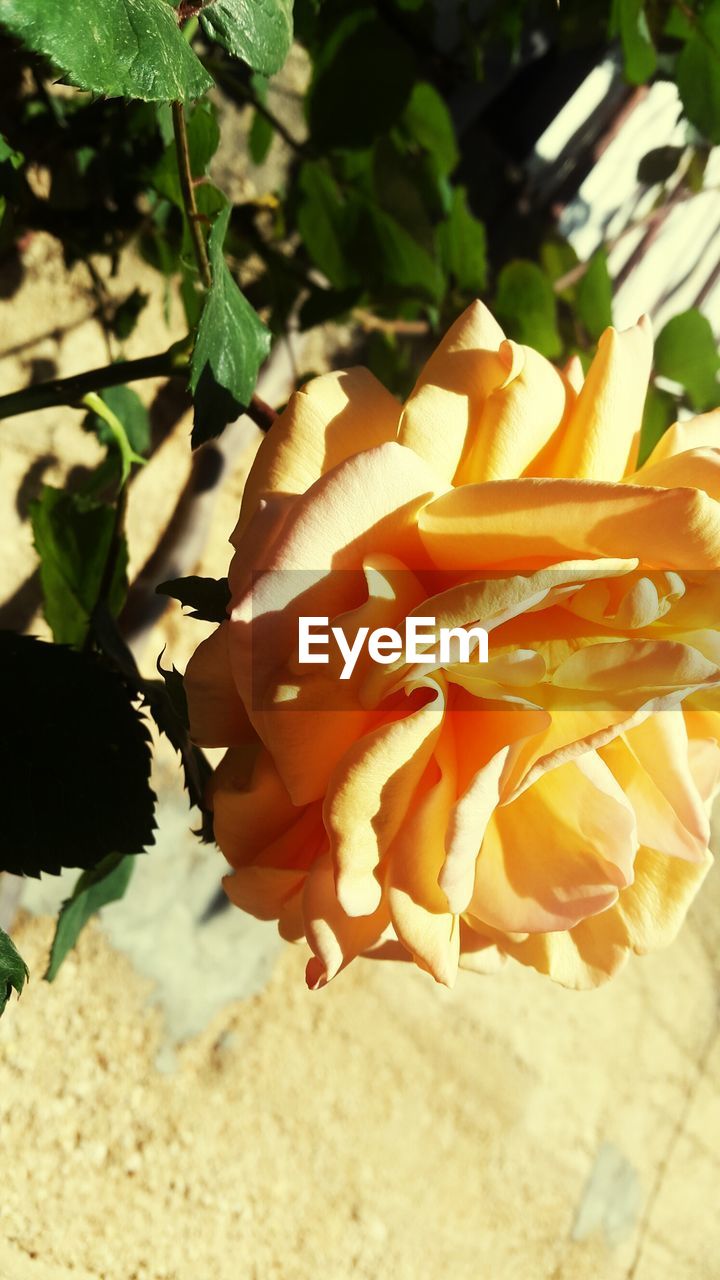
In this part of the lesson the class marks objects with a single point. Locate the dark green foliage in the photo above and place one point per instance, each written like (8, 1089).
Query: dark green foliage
(13, 970)
(686, 351)
(258, 31)
(594, 296)
(129, 408)
(129, 49)
(207, 598)
(231, 345)
(105, 883)
(75, 760)
(74, 538)
(525, 305)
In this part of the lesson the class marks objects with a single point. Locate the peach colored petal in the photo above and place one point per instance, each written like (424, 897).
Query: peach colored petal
(444, 408)
(418, 907)
(519, 522)
(291, 705)
(558, 853)
(335, 937)
(575, 374)
(518, 418)
(695, 469)
(215, 709)
(263, 891)
(660, 826)
(628, 669)
(329, 420)
(600, 441)
(254, 542)
(661, 746)
(252, 810)
(369, 794)
(695, 433)
(646, 917)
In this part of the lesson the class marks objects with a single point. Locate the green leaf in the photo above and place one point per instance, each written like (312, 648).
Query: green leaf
(630, 21)
(410, 188)
(260, 138)
(207, 598)
(429, 122)
(526, 306)
(395, 265)
(73, 538)
(557, 259)
(686, 352)
(258, 31)
(659, 164)
(322, 220)
(698, 73)
(74, 760)
(9, 156)
(463, 244)
(167, 703)
(594, 295)
(105, 883)
(13, 970)
(660, 413)
(231, 344)
(129, 408)
(363, 78)
(126, 49)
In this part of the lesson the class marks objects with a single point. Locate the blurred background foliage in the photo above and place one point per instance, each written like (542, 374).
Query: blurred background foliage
(406, 193)
(392, 158)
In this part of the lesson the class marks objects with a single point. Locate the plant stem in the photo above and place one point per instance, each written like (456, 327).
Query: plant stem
(73, 390)
(239, 90)
(128, 456)
(188, 193)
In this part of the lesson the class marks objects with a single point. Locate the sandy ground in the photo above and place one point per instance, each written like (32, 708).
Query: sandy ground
(384, 1128)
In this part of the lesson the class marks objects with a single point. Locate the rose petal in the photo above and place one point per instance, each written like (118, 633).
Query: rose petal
(444, 408)
(518, 419)
(646, 917)
(369, 794)
(558, 853)
(332, 418)
(521, 522)
(600, 441)
(418, 907)
(215, 709)
(335, 937)
(696, 433)
(695, 469)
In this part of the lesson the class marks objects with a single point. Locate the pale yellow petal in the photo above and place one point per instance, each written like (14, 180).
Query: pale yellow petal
(330, 419)
(646, 917)
(443, 411)
(418, 907)
(524, 522)
(558, 853)
(518, 418)
(695, 433)
(600, 441)
(369, 794)
(335, 937)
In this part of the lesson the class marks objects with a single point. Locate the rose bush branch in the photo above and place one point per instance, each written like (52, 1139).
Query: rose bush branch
(73, 390)
(188, 193)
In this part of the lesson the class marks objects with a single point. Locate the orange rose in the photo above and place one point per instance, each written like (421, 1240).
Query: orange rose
(550, 805)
